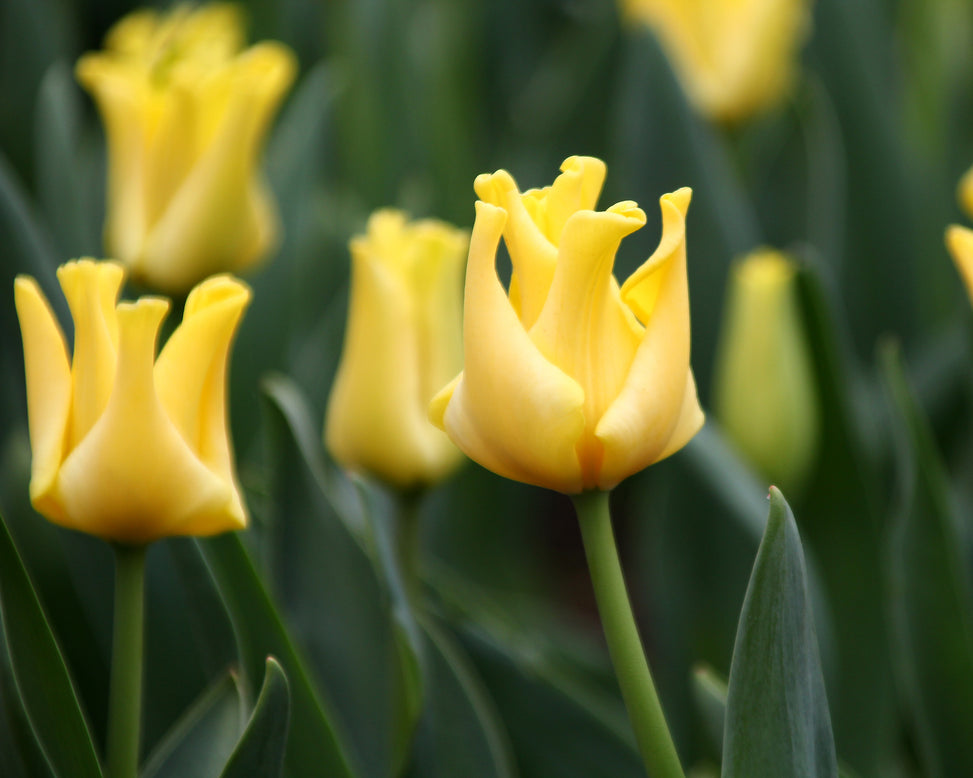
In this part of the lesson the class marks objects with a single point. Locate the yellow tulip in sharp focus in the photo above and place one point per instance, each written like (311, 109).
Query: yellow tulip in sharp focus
(571, 382)
(403, 341)
(186, 109)
(126, 446)
(734, 57)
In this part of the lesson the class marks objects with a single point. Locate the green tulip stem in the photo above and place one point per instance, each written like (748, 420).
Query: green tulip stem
(406, 531)
(125, 702)
(621, 633)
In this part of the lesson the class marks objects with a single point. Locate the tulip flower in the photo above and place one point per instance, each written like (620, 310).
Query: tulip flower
(126, 446)
(571, 382)
(733, 57)
(402, 343)
(959, 240)
(764, 388)
(186, 109)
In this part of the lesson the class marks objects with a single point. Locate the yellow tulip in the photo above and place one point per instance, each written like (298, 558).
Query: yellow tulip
(733, 57)
(959, 240)
(402, 343)
(764, 387)
(126, 446)
(571, 382)
(185, 112)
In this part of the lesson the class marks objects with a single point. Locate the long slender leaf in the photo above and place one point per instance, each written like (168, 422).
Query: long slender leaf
(201, 742)
(43, 680)
(261, 631)
(932, 599)
(460, 732)
(353, 621)
(777, 720)
(260, 752)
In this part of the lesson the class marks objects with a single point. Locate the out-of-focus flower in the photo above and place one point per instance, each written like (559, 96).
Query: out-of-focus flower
(126, 446)
(959, 241)
(186, 110)
(572, 382)
(764, 388)
(733, 57)
(402, 343)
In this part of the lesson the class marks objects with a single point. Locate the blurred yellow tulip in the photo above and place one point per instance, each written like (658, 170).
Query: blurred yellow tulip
(959, 241)
(185, 112)
(733, 57)
(403, 341)
(126, 446)
(571, 382)
(764, 386)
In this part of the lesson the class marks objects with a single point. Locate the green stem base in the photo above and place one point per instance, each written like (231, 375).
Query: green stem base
(621, 633)
(125, 700)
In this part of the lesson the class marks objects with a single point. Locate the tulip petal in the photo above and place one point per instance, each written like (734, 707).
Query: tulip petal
(48, 391)
(376, 418)
(222, 215)
(91, 289)
(190, 375)
(959, 241)
(133, 479)
(121, 97)
(638, 426)
(511, 410)
(584, 329)
(532, 255)
(576, 189)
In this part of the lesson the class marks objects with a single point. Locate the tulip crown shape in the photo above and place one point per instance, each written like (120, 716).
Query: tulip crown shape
(186, 108)
(127, 446)
(571, 381)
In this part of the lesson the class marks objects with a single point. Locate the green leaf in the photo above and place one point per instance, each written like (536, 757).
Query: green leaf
(260, 752)
(199, 744)
(353, 621)
(42, 678)
(709, 689)
(842, 530)
(777, 720)
(460, 732)
(260, 631)
(932, 600)
(545, 680)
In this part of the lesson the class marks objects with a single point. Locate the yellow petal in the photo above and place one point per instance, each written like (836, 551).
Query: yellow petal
(512, 411)
(48, 391)
(532, 255)
(577, 188)
(638, 426)
(122, 99)
(222, 216)
(133, 479)
(959, 240)
(584, 329)
(190, 376)
(91, 289)
(376, 417)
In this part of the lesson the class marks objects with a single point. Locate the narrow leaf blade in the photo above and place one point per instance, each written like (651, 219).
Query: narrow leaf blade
(260, 752)
(42, 678)
(777, 719)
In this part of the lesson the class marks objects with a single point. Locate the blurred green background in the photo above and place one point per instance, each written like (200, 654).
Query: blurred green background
(404, 102)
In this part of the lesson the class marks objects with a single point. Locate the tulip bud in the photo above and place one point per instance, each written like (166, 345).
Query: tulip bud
(186, 110)
(764, 385)
(733, 57)
(959, 241)
(126, 446)
(571, 382)
(403, 341)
